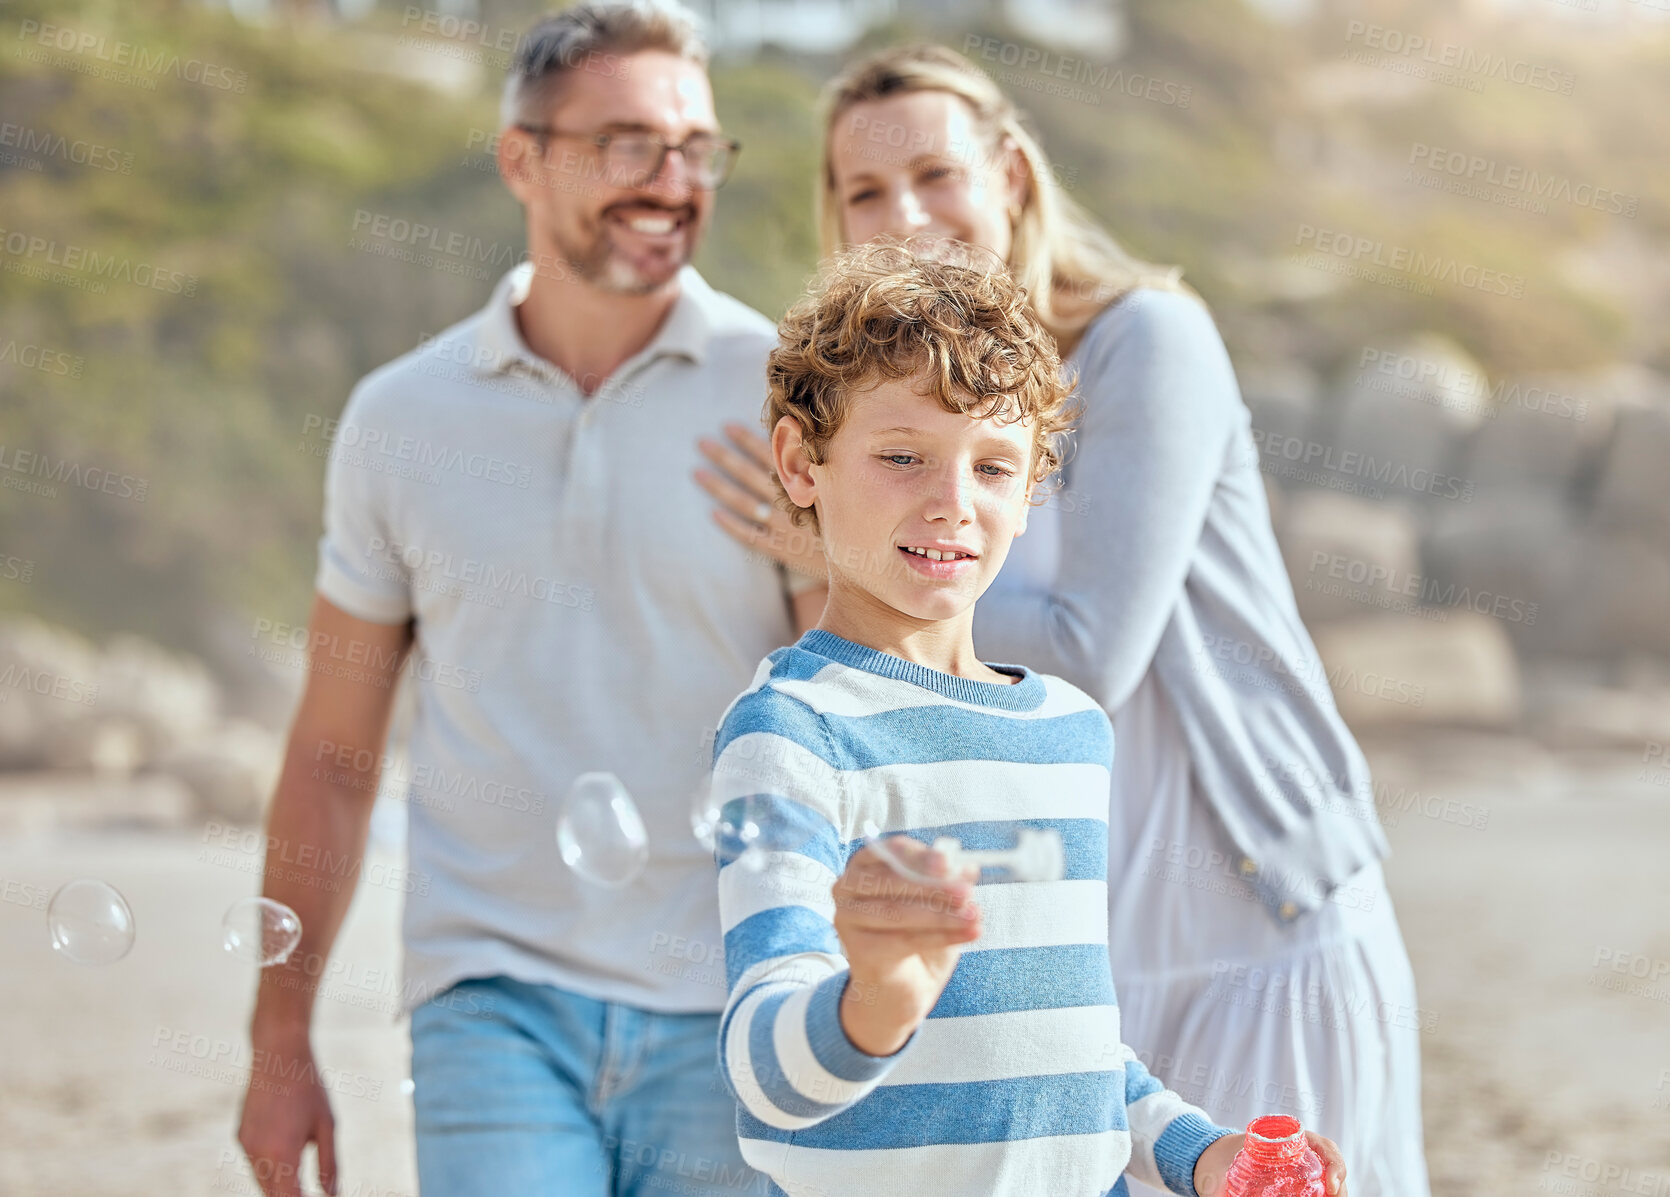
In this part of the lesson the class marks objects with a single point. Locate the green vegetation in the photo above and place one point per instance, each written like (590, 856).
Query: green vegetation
(247, 198)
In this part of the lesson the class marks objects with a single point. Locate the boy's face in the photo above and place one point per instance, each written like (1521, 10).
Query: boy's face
(904, 474)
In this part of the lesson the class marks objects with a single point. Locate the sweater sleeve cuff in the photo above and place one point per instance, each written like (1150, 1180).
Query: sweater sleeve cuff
(830, 1045)
(1179, 1149)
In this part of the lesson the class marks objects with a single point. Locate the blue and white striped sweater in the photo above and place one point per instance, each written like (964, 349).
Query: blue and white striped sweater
(1017, 1083)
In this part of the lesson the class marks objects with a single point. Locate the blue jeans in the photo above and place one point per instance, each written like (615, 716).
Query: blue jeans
(531, 1091)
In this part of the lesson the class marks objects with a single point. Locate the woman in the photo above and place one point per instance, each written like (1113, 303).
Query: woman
(1257, 958)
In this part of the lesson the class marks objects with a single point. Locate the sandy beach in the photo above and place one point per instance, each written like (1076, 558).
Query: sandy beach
(1539, 1077)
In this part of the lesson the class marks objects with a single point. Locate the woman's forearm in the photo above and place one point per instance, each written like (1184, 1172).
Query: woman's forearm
(1160, 403)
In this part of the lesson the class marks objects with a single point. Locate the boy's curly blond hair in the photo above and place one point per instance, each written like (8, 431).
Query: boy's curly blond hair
(951, 319)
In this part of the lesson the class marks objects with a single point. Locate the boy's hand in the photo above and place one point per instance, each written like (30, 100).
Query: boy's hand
(902, 940)
(1213, 1164)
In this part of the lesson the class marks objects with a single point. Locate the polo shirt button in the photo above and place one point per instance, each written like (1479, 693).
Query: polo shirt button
(1248, 868)
(1288, 910)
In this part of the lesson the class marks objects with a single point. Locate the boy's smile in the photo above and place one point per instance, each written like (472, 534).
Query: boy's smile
(917, 507)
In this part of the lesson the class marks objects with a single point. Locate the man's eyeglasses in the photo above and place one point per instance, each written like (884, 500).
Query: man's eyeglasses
(633, 158)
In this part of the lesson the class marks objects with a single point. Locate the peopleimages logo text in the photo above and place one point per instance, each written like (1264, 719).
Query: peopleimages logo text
(1415, 47)
(1476, 170)
(1415, 262)
(28, 247)
(97, 46)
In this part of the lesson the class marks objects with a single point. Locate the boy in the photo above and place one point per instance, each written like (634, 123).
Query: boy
(884, 1035)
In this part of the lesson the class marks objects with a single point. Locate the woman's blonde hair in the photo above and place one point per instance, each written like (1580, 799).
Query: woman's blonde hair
(1059, 251)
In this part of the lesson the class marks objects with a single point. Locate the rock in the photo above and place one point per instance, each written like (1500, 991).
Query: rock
(107, 747)
(1610, 594)
(20, 734)
(231, 771)
(251, 687)
(1572, 713)
(34, 803)
(1345, 555)
(171, 699)
(1402, 416)
(1624, 385)
(1282, 396)
(1391, 670)
(1634, 491)
(1641, 673)
(1502, 556)
(1547, 432)
(48, 680)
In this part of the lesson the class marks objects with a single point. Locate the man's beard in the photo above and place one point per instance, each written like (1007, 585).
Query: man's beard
(599, 263)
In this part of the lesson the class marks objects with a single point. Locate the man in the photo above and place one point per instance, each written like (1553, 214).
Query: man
(535, 549)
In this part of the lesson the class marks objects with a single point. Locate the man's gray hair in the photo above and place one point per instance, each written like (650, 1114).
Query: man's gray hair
(595, 37)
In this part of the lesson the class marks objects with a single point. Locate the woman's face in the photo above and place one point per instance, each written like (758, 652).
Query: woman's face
(914, 164)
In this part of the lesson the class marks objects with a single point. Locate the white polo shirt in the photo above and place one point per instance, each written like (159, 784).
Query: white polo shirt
(577, 609)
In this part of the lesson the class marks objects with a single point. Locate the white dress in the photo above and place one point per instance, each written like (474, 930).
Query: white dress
(1237, 1012)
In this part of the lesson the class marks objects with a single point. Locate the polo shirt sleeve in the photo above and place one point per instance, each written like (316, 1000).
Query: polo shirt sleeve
(360, 570)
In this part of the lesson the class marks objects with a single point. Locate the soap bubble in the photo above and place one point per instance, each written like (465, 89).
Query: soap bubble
(728, 829)
(737, 835)
(599, 832)
(261, 931)
(747, 833)
(704, 815)
(90, 922)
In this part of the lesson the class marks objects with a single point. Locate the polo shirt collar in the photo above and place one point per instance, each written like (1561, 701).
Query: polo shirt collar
(499, 343)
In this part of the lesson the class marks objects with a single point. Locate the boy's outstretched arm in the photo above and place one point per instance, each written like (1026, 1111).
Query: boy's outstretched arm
(1175, 1146)
(804, 1036)
(1169, 1136)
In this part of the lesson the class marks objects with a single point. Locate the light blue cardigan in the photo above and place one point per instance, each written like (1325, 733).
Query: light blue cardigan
(1168, 563)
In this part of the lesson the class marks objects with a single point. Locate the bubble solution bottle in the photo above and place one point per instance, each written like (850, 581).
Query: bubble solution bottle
(1275, 1161)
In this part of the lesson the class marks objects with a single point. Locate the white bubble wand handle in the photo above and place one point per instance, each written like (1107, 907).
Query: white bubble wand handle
(877, 843)
(1036, 856)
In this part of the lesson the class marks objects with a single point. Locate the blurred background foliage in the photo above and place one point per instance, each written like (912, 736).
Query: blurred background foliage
(255, 194)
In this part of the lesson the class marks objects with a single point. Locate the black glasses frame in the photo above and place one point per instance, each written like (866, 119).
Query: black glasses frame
(602, 140)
